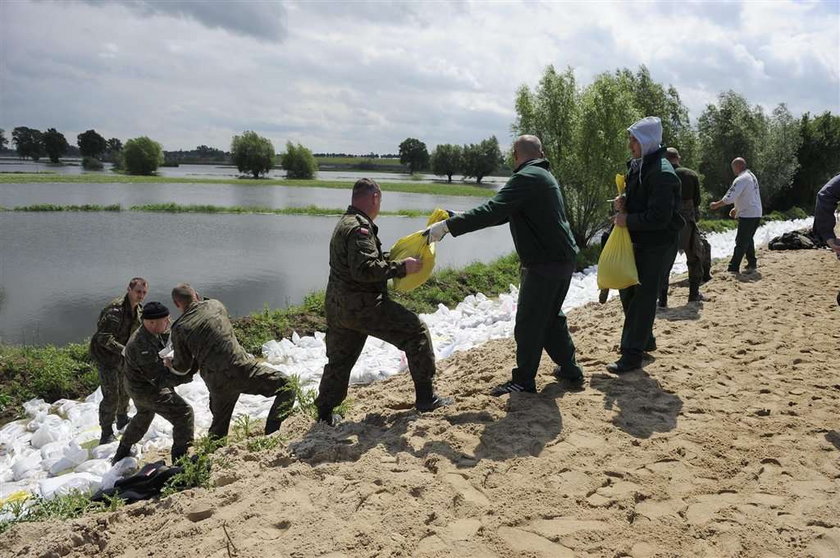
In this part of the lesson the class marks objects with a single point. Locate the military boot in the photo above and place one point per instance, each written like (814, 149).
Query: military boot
(178, 452)
(122, 421)
(427, 400)
(107, 435)
(694, 294)
(123, 451)
(663, 298)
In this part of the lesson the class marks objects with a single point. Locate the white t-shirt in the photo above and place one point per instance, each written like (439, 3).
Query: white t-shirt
(744, 193)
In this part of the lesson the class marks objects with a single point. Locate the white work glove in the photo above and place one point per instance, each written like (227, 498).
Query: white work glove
(436, 232)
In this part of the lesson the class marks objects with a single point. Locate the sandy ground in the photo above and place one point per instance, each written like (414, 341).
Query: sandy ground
(727, 444)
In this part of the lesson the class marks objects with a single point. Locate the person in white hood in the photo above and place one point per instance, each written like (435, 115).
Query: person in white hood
(650, 211)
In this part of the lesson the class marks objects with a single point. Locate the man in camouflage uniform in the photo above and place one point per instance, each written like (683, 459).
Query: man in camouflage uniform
(689, 239)
(150, 384)
(357, 305)
(203, 339)
(117, 322)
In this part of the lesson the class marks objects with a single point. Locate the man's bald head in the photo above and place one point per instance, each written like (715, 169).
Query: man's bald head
(739, 165)
(527, 147)
(672, 155)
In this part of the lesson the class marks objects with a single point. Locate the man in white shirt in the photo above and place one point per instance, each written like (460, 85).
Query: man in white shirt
(745, 194)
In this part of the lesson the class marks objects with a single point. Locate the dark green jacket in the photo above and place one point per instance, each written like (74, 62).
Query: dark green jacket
(145, 373)
(690, 188)
(533, 205)
(203, 338)
(357, 262)
(653, 201)
(117, 322)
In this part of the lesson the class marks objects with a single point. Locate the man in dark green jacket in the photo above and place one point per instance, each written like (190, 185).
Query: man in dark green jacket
(358, 306)
(117, 322)
(532, 204)
(650, 211)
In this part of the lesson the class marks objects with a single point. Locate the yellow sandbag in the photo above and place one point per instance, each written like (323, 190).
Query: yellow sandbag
(415, 245)
(617, 264)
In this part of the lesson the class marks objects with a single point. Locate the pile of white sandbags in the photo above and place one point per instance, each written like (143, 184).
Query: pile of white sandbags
(53, 450)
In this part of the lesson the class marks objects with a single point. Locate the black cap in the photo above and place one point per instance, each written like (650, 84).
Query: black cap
(154, 310)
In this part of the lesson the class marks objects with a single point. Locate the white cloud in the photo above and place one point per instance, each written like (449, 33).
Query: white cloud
(362, 76)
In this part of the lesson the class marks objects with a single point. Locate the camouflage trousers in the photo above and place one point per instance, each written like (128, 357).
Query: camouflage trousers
(346, 336)
(256, 380)
(168, 404)
(114, 396)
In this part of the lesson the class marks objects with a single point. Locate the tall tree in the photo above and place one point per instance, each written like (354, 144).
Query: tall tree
(113, 146)
(446, 160)
(298, 162)
(91, 144)
(28, 142)
(55, 144)
(776, 164)
(3, 139)
(818, 157)
(252, 153)
(482, 158)
(414, 154)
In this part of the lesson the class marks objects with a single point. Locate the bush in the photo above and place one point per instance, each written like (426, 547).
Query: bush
(91, 163)
(298, 162)
(142, 155)
(252, 153)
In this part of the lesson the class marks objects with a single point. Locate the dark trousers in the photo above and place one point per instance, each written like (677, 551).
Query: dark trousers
(689, 242)
(114, 397)
(639, 301)
(261, 380)
(170, 406)
(541, 323)
(386, 320)
(744, 245)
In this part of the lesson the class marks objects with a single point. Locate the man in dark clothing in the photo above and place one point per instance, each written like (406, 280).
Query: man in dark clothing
(824, 219)
(150, 384)
(117, 322)
(650, 211)
(532, 204)
(358, 305)
(689, 238)
(203, 339)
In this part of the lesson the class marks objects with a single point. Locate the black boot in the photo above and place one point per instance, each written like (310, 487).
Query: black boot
(663, 298)
(694, 294)
(178, 452)
(107, 435)
(123, 451)
(122, 421)
(427, 400)
(328, 417)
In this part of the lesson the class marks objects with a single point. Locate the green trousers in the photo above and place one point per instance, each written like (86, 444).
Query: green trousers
(639, 301)
(541, 323)
(114, 397)
(170, 406)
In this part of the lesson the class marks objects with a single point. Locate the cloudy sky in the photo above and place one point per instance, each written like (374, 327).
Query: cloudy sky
(362, 76)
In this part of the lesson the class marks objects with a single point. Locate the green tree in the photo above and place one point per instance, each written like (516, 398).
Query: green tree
(91, 144)
(447, 159)
(113, 146)
(482, 158)
(414, 154)
(3, 139)
(142, 155)
(728, 129)
(28, 142)
(818, 157)
(776, 164)
(55, 144)
(252, 153)
(298, 162)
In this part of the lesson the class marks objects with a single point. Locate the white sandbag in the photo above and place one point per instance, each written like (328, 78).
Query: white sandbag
(53, 450)
(124, 467)
(27, 465)
(104, 451)
(96, 467)
(72, 456)
(85, 483)
(35, 406)
(49, 431)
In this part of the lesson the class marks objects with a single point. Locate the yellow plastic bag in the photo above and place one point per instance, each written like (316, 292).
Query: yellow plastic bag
(617, 264)
(415, 245)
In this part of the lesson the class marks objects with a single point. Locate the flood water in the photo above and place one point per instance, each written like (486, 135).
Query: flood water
(57, 270)
(226, 171)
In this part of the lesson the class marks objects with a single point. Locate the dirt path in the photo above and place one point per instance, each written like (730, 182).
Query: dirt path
(726, 445)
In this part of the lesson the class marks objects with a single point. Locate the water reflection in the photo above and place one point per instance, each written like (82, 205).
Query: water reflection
(57, 270)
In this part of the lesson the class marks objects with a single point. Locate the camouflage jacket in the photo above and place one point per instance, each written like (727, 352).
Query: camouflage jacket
(203, 338)
(116, 324)
(358, 266)
(145, 373)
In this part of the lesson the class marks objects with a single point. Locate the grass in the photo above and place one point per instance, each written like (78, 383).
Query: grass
(196, 468)
(305, 210)
(68, 506)
(440, 189)
(52, 207)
